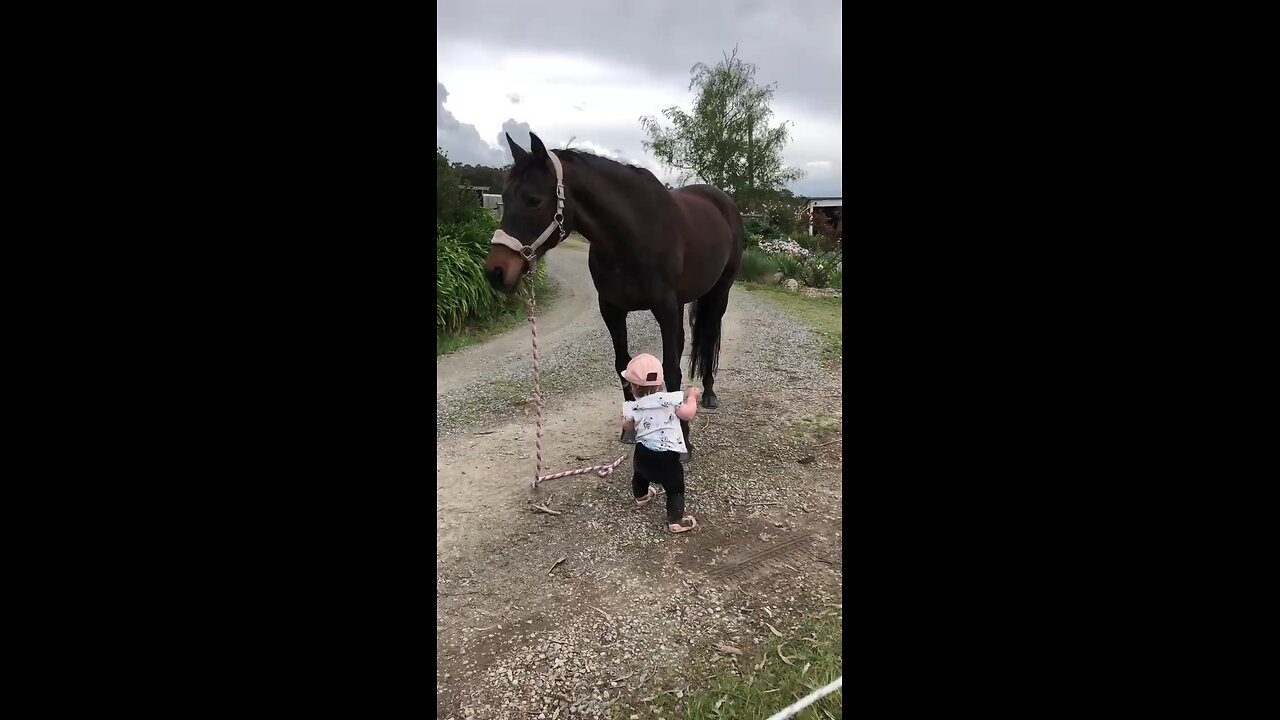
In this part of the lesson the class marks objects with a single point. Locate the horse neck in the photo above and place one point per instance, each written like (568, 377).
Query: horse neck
(610, 226)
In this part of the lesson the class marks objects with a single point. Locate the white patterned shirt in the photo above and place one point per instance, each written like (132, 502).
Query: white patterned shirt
(657, 426)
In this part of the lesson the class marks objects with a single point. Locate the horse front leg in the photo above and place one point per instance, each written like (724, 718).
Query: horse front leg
(670, 317)
(616, 320)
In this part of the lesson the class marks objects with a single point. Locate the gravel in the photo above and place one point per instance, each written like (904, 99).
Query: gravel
(584, 360)
(523, 642)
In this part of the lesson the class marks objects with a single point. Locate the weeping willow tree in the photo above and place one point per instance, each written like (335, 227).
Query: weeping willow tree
(726, 140)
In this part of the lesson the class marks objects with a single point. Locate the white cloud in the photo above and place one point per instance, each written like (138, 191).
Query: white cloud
(599, 102)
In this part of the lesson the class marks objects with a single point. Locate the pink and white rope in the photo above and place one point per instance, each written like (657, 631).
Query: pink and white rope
(601, 470)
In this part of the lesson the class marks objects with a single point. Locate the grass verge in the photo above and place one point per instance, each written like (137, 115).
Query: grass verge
(575, 242)
(823, 315)
(759, 683)
(477, 332)
(815, 427)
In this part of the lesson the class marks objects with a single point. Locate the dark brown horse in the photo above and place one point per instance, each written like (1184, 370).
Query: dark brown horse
(651, 248)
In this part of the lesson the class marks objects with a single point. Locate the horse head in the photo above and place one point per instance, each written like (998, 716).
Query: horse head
(534, 219)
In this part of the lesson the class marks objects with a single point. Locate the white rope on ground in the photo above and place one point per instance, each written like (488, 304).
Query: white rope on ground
(538, 477)
(809, 699)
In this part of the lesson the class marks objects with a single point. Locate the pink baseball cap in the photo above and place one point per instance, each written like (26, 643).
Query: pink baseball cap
(644, 370)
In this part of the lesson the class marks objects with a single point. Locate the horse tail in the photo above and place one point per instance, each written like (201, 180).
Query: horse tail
(707, 313)
(704, 350)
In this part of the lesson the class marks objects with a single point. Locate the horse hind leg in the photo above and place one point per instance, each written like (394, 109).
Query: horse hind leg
(705, 321)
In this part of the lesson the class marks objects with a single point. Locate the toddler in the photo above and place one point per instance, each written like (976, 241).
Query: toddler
(654, 417)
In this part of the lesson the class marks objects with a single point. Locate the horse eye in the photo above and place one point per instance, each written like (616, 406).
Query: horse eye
(532, 201)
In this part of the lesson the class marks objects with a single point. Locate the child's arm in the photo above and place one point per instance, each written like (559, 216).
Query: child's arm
(689, 407)
(628, 425)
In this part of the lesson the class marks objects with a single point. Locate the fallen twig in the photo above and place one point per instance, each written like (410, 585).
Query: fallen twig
(815, 447)
(554, 564)
(486, 432)
(605, 614)
(545, 509)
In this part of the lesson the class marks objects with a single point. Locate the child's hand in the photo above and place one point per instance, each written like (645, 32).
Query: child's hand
(694, 393)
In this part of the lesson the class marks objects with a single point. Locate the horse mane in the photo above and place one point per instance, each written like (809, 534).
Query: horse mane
(623, 172)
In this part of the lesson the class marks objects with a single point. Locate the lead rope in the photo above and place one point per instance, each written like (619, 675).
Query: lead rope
(601, 470)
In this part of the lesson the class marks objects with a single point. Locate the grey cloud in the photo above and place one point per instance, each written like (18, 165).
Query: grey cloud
(514, 98)
(519, 131)
(796, 44)
(461, 141)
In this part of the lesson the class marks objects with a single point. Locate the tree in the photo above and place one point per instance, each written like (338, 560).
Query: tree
(481, 175)
(452, 203)
(726, 141)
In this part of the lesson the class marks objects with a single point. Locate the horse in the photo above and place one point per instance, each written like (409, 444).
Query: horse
(651, 249)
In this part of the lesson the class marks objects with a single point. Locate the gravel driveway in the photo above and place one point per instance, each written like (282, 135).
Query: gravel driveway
(579, 614)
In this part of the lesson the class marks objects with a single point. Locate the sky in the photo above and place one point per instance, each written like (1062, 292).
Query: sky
(587, 72)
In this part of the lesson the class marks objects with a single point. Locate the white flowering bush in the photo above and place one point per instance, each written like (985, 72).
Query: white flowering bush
(785, 247)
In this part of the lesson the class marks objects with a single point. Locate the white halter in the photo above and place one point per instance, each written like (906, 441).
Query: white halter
(527, 251)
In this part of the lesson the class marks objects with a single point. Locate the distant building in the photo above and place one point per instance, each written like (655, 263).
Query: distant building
(832, 208)
(492, 202)
(479, 190)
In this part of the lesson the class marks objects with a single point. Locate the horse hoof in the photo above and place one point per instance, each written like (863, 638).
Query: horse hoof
(710, 401)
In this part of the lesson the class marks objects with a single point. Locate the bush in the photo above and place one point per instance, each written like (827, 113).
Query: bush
(756, 265)
(812, 243)
(463, 295)
(784, 247)
(789, 265)
(819, 269)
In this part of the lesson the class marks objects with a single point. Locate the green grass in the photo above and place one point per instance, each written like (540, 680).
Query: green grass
(817, 427)
(756, 265)
(823, 315)
(759, 683)
(575, 242)
(479, 331)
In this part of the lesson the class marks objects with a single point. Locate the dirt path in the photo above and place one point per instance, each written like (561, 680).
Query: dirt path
(543, 614)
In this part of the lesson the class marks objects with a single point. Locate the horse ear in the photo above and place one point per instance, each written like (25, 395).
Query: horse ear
(535, 144)
(517, 152)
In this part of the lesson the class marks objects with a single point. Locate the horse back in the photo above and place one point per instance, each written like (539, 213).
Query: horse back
(711, 235)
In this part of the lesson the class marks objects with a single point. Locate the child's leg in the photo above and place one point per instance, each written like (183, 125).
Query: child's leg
(640, 489)
(673, 481)
(639, 486)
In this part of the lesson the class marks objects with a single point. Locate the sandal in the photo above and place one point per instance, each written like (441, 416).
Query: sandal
(641, 502)
(681, 527)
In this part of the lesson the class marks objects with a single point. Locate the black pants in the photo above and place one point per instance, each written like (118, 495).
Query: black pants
(664, 469)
